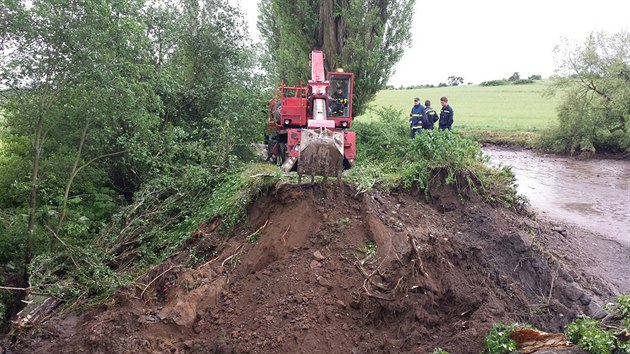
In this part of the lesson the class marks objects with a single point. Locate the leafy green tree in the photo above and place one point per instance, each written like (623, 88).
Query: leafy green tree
(154, 101)
(364, 37)
(82, 82)
(595, 80)
(455, 80)
(516, 76)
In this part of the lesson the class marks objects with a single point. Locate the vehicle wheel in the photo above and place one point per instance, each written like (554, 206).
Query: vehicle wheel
(282, 151)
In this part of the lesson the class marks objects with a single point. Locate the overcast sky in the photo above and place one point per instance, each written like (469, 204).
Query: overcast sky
(491, 39)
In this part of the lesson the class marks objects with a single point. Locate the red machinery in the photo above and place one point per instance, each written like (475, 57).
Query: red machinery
(305, 134)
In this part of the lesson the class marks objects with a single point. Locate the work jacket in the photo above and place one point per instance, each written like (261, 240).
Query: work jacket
(446, 117)
(416, 116)
(431, 117)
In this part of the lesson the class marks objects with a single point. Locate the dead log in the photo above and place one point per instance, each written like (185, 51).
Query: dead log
(530, 340)
(38, 309)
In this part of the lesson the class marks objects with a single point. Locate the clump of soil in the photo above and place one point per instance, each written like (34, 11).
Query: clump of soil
(320, 269)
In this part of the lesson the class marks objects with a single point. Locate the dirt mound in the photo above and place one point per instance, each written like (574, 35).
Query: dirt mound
(322, 269)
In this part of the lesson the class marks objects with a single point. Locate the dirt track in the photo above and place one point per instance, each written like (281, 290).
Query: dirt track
(309, 283)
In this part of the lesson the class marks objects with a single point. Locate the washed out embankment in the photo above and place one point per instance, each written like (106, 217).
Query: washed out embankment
(324, 269)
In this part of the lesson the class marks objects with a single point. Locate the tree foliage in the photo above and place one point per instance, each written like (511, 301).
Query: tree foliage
(124, 116)
(455, 80)
(364, 37)
(595, 80)
(516, 76)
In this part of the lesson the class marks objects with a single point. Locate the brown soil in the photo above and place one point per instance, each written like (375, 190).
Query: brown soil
(442, 273)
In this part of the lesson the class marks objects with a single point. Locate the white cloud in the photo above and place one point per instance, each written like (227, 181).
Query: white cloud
(491, 39)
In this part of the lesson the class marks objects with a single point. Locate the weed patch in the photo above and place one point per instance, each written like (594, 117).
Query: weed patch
(434, 158)
(498, 340)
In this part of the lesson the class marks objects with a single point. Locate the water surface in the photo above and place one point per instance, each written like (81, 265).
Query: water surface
(593, 194)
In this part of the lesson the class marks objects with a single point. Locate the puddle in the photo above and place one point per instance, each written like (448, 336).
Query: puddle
(593, 194)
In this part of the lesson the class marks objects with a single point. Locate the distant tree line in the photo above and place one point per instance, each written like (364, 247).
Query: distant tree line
(515, 79)
(454, 80)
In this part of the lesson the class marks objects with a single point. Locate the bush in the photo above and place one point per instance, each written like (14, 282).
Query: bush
(522, 82)
(585, 333)
(623, 306)
(495, 83)
(498, 339)
(388, 157)
(592, 336)
(582, 129)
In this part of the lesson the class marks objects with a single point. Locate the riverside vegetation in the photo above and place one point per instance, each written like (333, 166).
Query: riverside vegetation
(583, 108)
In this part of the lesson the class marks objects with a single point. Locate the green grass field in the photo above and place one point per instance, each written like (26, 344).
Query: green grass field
(508, 108)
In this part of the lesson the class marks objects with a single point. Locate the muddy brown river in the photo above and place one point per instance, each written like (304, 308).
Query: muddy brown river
(593, 194)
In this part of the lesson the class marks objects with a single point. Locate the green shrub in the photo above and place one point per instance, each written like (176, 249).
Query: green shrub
(495, 83)
(587, 335)
(522, 82)
(623, 305)
(386, 155)
(498, 339)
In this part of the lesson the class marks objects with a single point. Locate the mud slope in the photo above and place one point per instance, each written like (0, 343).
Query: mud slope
(327, 271)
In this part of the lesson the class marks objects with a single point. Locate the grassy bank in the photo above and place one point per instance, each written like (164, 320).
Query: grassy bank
(500, 114)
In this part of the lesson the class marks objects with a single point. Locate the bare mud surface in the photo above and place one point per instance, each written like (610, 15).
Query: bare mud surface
(593, 194)
(324, 270)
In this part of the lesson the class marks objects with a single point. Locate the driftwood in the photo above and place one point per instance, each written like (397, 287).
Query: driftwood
(531, 340)
(37, 310)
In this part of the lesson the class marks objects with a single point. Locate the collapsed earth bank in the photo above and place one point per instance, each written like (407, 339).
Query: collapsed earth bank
(324, 269)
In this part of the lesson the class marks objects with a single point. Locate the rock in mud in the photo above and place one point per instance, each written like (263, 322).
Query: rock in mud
(318, 255)
(595, 311)
(585, 299)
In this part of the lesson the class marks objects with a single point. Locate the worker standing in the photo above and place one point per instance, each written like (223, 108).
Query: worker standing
(446, 115)
(430, 115)
(415, 117)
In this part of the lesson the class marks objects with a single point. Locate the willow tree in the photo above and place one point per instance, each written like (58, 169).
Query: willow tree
(366, 37)
(594, 79)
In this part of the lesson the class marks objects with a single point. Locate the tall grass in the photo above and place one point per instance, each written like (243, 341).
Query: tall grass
(494, 108)
(387, 157)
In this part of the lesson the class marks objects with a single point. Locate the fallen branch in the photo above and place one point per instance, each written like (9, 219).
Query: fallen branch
(284, 241)
(257, 231)
(414, 249)
(233, 255)
(156, 278)
(553, 278)
(14, 288)
(375, 295)
(368, 277)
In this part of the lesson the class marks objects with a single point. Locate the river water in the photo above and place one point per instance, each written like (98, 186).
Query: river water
(593, 194)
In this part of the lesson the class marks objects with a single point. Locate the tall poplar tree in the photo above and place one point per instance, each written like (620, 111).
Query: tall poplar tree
(366, 37)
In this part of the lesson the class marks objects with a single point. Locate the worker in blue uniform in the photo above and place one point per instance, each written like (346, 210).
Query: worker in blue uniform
(415, 117)
(430, 116)
(446, 115)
